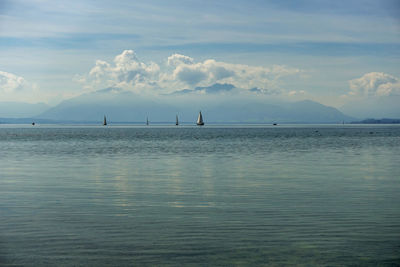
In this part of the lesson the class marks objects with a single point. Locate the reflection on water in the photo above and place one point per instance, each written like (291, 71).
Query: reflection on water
(210, 195)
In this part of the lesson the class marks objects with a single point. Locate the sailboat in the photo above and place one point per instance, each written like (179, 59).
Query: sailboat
(105, 121)
(200, 119)
(147, 120)
(177, 122)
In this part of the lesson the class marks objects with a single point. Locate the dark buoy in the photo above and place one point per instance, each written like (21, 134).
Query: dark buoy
(33, 123)
(274, 124)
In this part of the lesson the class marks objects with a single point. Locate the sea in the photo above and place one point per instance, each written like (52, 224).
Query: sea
(217, 195)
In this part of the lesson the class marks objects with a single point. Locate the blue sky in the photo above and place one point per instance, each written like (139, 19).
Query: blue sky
(48, 48)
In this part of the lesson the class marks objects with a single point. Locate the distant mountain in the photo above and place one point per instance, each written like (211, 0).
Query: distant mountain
(316, 112)
(117, 104)
(124, 106)
(306, 111)
(21, 110)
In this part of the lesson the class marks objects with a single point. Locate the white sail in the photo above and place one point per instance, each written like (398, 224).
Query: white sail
(200, 119)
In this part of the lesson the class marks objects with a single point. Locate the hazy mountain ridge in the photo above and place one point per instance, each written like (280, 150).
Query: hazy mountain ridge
(305, 111)
(117, 104)
(21, 109)
(125, 106)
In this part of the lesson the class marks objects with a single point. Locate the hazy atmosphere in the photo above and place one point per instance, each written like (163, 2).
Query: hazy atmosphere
(340, 54)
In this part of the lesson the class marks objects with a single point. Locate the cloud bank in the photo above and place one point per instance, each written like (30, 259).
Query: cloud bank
(375, 84)
(179, 72)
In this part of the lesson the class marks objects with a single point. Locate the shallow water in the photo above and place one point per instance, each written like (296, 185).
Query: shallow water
(220, 195)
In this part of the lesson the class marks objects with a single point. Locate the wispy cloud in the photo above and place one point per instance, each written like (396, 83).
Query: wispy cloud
(177, 22)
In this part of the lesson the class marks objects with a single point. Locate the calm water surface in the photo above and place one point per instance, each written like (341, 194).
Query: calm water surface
(122, 196)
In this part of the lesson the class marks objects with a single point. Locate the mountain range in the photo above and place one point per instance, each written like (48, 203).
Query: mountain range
(125, 106)
(21, 110)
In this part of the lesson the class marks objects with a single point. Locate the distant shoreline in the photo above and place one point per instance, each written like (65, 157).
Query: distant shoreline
(4, 121)
(378, 121)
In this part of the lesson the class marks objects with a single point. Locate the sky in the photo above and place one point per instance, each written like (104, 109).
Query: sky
(339, 53)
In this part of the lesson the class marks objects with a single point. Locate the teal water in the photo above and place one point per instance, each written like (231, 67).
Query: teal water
(232, 196)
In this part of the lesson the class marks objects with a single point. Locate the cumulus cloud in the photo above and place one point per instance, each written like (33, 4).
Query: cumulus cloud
(210, 71)
(126, 72)
(17, 88)
(177, 59)
(375, 84)
(183, 72)
(190, 74)
(11, 83)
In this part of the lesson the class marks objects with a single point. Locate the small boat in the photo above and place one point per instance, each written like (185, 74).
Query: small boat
(147, 121)
(200, 121)
(176, 122)
(105, 121)
(274, 124)
(33, 123)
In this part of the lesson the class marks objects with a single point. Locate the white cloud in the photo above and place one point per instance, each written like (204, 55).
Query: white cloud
(181, 72)
(191, 74)
(100, 69)
(177, 59)
(126, 72)
(11, 83)
(17, 88)
(375, 84)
